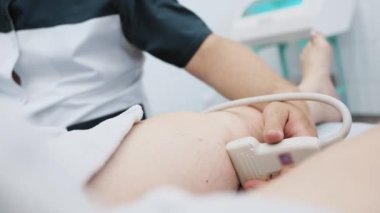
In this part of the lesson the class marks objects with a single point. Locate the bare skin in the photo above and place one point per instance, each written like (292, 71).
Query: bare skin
(184, 149)
(316, 62)
(343, 177)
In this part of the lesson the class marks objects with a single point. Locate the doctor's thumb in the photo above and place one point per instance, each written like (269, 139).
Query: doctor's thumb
(275, 119)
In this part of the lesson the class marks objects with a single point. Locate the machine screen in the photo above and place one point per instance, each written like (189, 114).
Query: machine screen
(265, 6)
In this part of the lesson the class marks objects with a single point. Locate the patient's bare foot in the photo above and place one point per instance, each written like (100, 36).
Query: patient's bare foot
(316, 65)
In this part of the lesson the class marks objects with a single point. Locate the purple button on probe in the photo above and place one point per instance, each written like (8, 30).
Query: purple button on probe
(286, 159)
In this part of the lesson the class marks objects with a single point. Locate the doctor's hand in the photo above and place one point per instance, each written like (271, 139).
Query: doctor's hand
(285, 120)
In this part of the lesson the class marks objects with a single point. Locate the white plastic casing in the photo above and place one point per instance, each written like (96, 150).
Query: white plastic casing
(331, 17)
(253, 160)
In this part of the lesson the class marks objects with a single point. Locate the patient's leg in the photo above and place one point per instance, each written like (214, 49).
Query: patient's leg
(182, 149)
(345, 177)
(316, 77)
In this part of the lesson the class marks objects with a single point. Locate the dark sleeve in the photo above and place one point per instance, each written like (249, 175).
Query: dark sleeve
(164, 28)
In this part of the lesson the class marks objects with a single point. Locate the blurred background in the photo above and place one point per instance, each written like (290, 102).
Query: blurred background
(171, 89)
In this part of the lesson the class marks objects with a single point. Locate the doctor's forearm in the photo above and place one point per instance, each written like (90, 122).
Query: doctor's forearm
(234, 70)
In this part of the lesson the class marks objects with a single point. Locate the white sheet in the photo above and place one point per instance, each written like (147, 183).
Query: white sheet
(329, 128)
